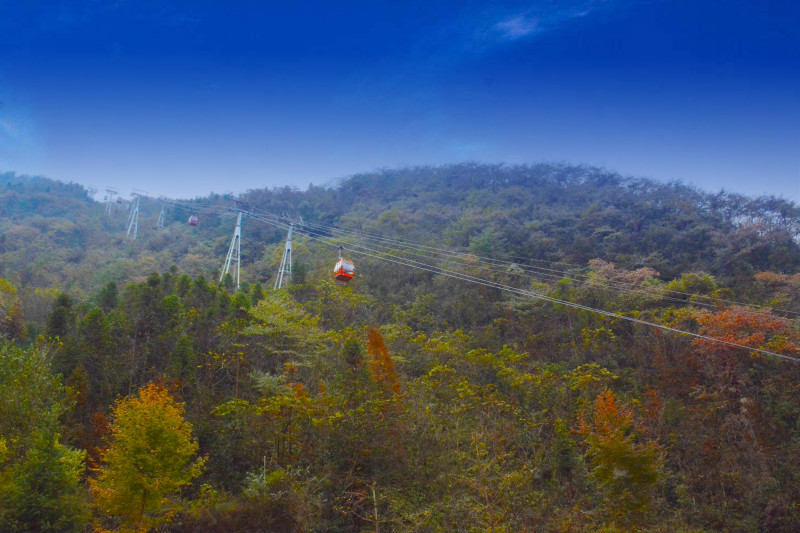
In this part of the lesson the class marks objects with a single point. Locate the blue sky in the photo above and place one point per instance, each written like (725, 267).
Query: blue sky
(184, 98)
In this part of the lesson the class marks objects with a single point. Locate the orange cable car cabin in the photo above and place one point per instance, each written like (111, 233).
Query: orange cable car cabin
(344, 269)
(193, 220)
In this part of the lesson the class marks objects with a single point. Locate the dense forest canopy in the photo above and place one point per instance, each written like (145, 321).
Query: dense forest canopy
(138, 394)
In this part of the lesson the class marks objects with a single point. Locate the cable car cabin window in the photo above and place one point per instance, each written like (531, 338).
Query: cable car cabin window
(193, 220)
(344, 270)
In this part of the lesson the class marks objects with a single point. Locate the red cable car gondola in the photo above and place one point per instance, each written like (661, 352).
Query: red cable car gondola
(344, 269)
(193, 220)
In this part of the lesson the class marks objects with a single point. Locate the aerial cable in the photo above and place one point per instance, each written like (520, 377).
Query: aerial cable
(472, 279)
(614, 285)
(492, 268)
(374, 235)
(485, 259)
(400, 242)
(592, 283)
(661, 293)
(200, 208)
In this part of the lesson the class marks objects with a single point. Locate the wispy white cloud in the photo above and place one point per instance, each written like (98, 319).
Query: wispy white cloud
(517, 22)
(481, 28)
(517, 26)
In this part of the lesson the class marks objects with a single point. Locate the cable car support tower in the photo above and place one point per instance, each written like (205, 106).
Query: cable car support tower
(133, 218)
(160, 222)
(110, 194)
(235, 248)
(286, 262)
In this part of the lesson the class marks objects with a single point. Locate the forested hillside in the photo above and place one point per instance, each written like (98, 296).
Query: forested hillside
(137, 394)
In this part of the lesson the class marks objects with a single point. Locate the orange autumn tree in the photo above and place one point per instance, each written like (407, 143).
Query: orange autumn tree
(147, 462)
(735, 405)
(732, 377)
(626, 465)
(731, 373)
(381, 367)
(747, 327)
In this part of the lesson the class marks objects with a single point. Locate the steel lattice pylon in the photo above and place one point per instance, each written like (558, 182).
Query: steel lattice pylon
(286, 262)
(235, 248)
(133, 219)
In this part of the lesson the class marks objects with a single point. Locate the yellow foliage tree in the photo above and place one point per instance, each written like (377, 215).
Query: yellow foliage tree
(147, 462)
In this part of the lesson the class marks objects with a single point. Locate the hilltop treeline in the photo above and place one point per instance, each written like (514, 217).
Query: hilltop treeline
(141, 398)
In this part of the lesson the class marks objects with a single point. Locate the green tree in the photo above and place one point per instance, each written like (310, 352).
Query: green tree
(39, 492)
(286, 330)
(108, 297)
(60, 321)
(39, 476)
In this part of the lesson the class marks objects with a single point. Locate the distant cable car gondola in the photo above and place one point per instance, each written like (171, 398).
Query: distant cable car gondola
(344, 269)
(193, 220)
